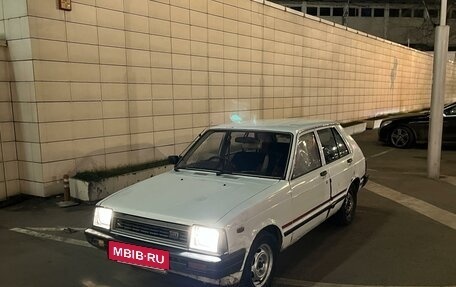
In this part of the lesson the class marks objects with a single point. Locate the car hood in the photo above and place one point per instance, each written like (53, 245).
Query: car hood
(186, 197)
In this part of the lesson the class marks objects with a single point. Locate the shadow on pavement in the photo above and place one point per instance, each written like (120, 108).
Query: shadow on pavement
(325, 248)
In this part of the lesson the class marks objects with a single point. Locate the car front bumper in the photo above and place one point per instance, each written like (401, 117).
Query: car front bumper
(202, 267)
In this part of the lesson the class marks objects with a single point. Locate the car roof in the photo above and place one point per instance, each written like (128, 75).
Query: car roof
(291, 125)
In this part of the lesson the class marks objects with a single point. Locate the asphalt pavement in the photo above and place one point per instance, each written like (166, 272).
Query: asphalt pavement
(403, 235)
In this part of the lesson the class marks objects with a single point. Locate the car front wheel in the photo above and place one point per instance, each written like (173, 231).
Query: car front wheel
(260, 263)
(401, 137)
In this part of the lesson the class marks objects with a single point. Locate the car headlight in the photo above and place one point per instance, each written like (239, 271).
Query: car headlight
(102, 217)
(207, 239)
(385, 123)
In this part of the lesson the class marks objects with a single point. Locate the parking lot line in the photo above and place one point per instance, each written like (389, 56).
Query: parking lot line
(440, 215)
(380, 153)
(89, 283)
(449, 179)
(284, 282)
(55, 228)
(51, 237)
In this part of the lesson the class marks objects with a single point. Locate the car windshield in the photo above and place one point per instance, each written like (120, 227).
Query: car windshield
(254, 153)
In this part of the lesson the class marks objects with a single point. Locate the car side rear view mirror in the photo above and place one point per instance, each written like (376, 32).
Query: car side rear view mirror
(173, 159)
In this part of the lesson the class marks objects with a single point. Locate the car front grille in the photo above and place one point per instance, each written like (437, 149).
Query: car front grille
(151, 230)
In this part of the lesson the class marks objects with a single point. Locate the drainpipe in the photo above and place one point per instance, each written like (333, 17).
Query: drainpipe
(3, 42)
(346, 13)
(386, 21)
(3, 165)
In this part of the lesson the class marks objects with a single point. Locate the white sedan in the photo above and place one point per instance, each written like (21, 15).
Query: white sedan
(239, 195)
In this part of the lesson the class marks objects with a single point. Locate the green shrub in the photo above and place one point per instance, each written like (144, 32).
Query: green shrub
(98, 175)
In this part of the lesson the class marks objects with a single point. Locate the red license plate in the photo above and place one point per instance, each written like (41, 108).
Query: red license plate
(138, 255)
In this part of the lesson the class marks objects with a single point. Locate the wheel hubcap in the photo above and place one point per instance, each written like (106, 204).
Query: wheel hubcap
(262, 265)
(400, 137)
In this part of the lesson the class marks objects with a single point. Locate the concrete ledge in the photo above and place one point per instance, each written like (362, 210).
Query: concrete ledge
(355, 128)
(327, 22)
(274, 5)
(92, 191)
(340, 26)
(373, 124)
(293, 11)
(315, 18)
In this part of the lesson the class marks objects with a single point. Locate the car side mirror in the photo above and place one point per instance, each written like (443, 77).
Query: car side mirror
(173, 159)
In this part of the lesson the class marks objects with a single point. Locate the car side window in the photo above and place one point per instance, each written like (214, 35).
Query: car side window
(341, 146)
(329, 145)
(307, 156)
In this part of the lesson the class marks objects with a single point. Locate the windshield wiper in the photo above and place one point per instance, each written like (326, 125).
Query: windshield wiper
(178, 167)
(226, 163)
(223, 171)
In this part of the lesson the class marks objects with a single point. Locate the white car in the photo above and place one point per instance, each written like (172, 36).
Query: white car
(239, 195)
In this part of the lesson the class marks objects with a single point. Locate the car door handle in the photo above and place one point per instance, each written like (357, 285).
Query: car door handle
(350, 160)
(323, 173)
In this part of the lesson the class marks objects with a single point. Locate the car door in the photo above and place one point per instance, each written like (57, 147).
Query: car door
(310, 187)
(338, 158)
(449, 124)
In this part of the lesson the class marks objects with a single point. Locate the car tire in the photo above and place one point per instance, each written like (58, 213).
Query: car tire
(346, 213)
(260, 264)
(401, 137)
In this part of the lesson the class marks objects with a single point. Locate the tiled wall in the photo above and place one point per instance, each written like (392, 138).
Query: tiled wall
(17, 95)
(116, 82)
(9, 176)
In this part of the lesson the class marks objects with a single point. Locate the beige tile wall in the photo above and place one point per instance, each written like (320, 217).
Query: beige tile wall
(116, 82)
(17, 111)
(9, 173)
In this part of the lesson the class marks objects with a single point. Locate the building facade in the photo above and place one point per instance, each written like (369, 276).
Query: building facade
(410, 23)
(119, 82)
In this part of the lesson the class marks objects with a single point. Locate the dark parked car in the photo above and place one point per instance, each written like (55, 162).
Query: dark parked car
(405, 130)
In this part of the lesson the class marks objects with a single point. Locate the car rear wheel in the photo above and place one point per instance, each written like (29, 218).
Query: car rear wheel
(346, 213)
(260, 263)
(401, 137)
